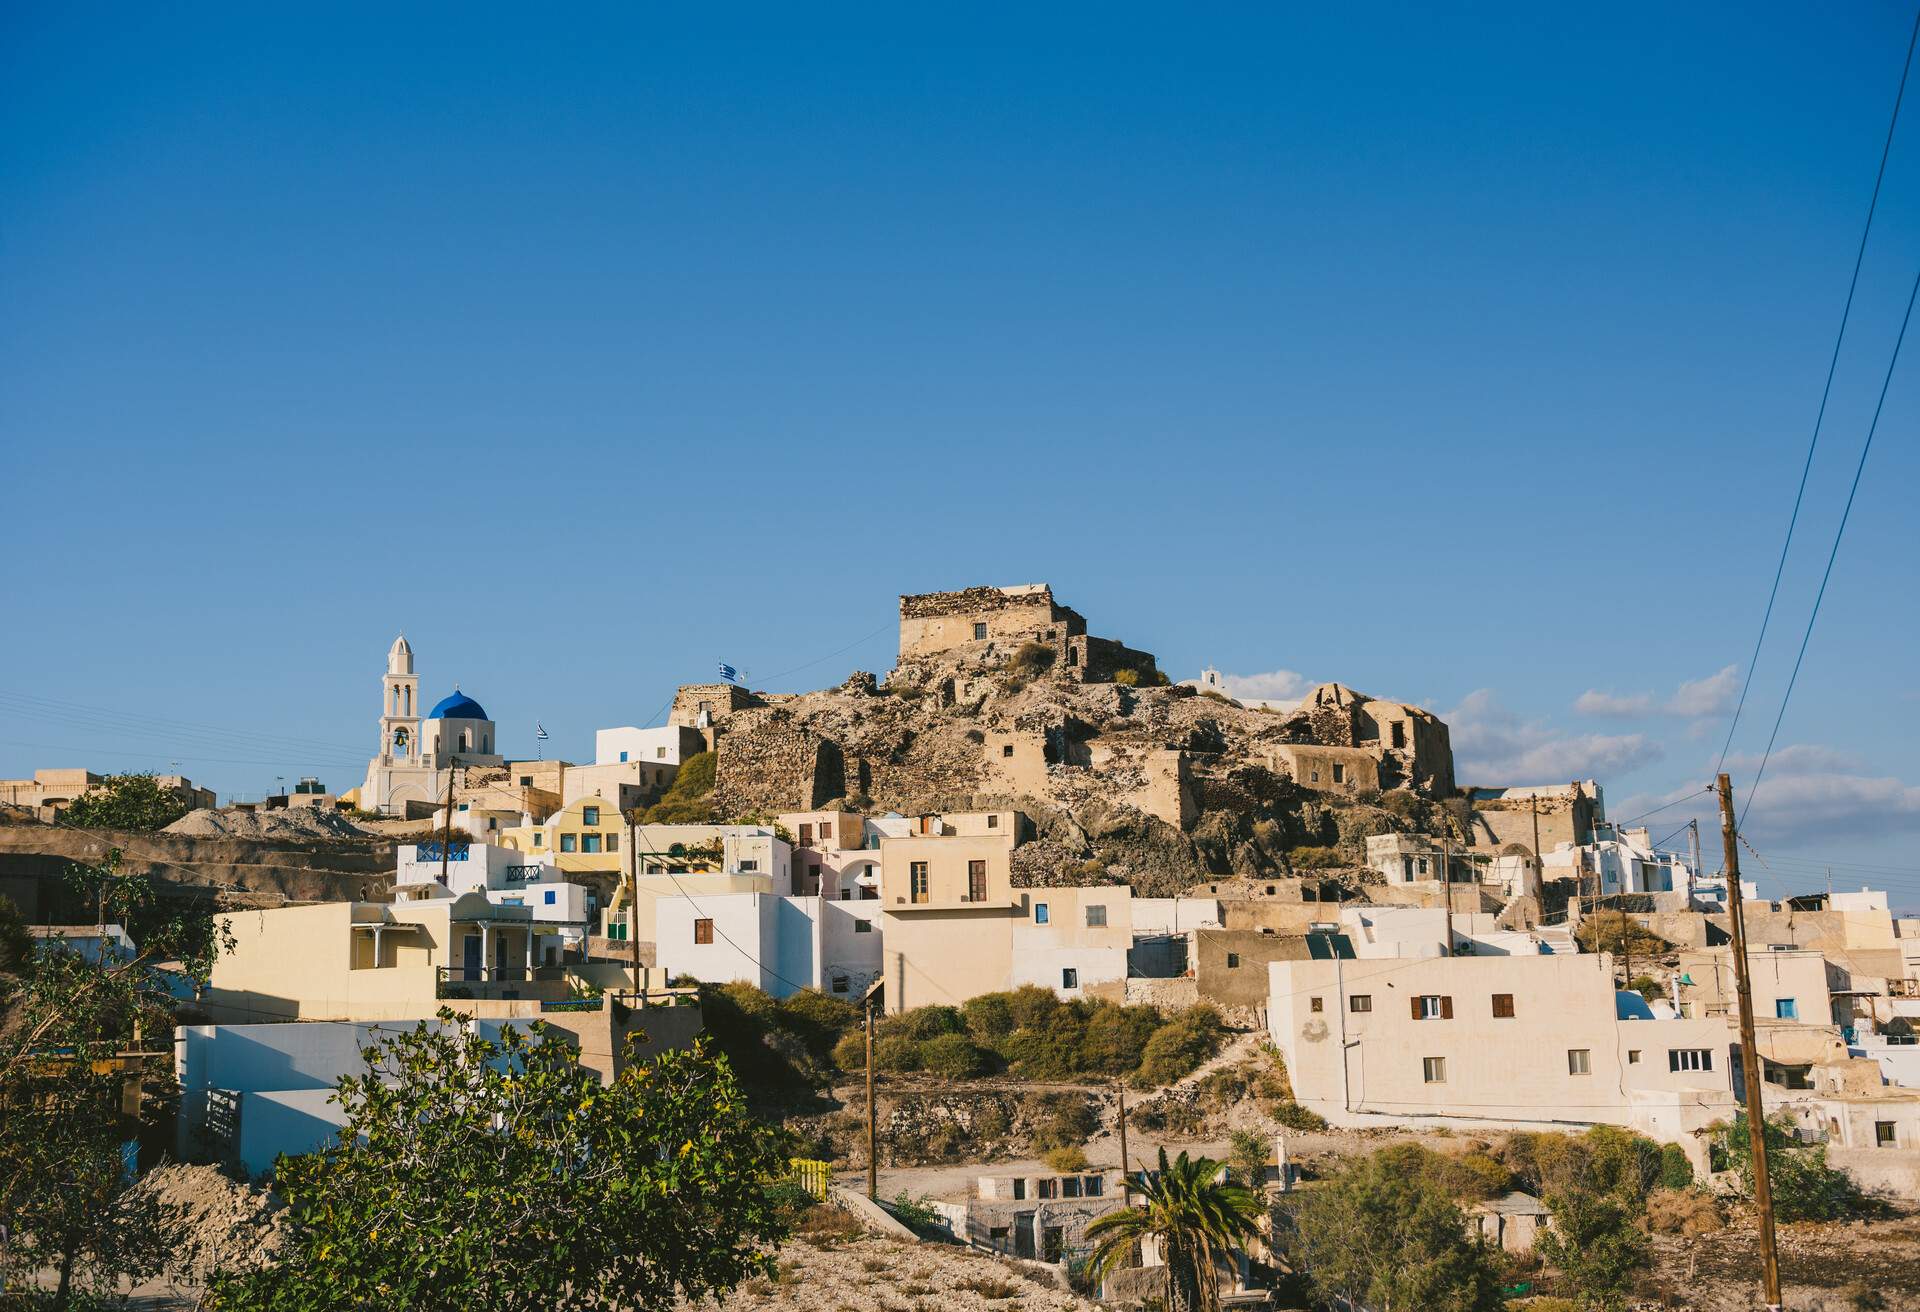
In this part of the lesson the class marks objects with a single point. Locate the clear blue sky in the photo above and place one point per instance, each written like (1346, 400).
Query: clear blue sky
(1467, 357)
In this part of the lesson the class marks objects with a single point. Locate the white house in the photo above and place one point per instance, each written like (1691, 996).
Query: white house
(507, 877)
(668, 745)
(1073, 939)
(1625, 861)
(777, 944)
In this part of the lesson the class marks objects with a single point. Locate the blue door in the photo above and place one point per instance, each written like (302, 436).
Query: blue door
(470, 957)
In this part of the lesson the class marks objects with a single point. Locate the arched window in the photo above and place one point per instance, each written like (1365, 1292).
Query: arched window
(466, 740)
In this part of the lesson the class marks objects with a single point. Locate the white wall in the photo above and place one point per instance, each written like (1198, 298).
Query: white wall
(1175, 915)
(667, 745)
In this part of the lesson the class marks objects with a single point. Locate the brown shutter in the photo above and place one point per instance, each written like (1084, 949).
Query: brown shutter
(1446, 1007)
(1416, 1006)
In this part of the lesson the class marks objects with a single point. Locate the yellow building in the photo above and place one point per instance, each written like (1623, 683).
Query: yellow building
(949, 917)
(585, 835)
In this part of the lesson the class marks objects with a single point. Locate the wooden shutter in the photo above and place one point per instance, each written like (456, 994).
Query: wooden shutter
(1503, 1005)
(1446, 1007)
(1416, 1006)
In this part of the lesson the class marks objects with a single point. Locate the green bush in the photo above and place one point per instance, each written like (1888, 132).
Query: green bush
(1126, 678)
(126, 801)
(1061, 1120)
(1178, 1047)
(922, 1023)
(896, 1052)
(1069, 1158)
(1310, 857)
(850, 1053)
(1032, 1007)
(954, 1056)
(1031, 660)
(689, 798)
(1805, 1188)
(989, 1017)
(1676, 1172)
(1295, 1117)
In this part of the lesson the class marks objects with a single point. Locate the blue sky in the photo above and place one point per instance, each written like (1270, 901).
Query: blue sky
(1462, 356)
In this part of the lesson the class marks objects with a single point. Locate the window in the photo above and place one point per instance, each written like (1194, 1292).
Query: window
(1069, 978)
(1422, 864)
(1360, 1002)
(1579, 1061)
(993, 821)
(1433, 1070)
(590, 843)
(976, 881)
(1430, 1006)
(806, 835)
(1096, 1186)
(1070, 1187)
(979, 632)
(1019, 1190)
(659, 753)
(613, 842)
(997, 1236)
(1049, 1188)
(1503, 1006)
(839, 983)
(1339, 774)
(1689, 1059)
(861, 926)
(1883, 1134)
(548, 897)
(569, 842)
(703, 931)
(1096, 917)
(1006, 749)
(846, 895)
(617, 929)
(538, 841)
(1633, 1056)
(1399, 734)
(749, 865)
(1786, 1009)
(1039, 913)
(526, 781)
(1314, 776)
(1233, 961)
(623, 757)
(589, 815)
(1317, 1005)
(917, 881)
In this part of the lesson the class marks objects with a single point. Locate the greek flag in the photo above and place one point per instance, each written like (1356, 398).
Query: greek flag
(539, 731)
(728, 673)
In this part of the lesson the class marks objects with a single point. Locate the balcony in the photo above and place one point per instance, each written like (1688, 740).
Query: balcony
(544, 983)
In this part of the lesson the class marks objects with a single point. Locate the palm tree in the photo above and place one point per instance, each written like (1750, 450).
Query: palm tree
(1196, 1216)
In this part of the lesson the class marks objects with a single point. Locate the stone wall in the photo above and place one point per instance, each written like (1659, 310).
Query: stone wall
(719, 700)
(934, 622)
(776, 766)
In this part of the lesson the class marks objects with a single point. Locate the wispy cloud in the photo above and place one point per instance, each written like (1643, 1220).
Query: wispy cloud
(1798, 758)
(1692, 700)
(1492, 745)
(1274, 685)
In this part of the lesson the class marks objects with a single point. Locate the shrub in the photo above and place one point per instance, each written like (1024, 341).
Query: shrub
(126, 801)
(1126, 678)
(952, 1055)
(1805, 1188)
(1309, 857)
(689, 798)
(989, 1017)
(1067, 1158)
(1683, 1212)
(1247, 1154)
(916, 1212)
(896, 1052)
(1031, 660)
(850, 1054)
(924, 1023)
(1676, 1172)
(1062, 1120)
(1178, 1047)
(1295, 1117)
(1114, 1038)
(1032, 1007)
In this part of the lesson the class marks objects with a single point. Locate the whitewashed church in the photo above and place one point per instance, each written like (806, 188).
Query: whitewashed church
(417, 753)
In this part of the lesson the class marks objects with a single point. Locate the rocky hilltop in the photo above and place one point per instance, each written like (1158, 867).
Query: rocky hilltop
(1000, 698)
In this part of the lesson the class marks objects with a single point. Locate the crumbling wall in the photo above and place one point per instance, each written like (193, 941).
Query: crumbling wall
(775, 765)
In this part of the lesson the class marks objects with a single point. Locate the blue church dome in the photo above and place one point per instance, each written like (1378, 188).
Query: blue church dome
(457, 706)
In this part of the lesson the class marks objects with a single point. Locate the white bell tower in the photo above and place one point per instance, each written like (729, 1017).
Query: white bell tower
(399, 707)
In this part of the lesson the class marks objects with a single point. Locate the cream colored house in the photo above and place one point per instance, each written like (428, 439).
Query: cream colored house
(1513, 1040)
(694, 861)
(948, 917)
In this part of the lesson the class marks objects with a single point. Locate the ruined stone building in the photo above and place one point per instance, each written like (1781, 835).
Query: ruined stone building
(1565, 813)
(1409, 747)
(973, 622)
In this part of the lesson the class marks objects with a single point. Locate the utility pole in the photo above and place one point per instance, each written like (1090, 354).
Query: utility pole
(873, 1159)
(1446, 883)
(1693, 835)
(446, 834)
(1749, 1056)
(1126, 1194)
(633, 893)
(1533, 806)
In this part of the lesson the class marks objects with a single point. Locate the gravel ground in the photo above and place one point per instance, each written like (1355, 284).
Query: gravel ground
(296, 823)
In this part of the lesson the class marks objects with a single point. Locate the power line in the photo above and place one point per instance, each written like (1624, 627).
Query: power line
(1668, 806)
(830, 655)
(1839, 533)
(1826, 391)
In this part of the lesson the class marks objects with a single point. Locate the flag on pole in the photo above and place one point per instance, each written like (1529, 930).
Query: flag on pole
(539, 731)
(728, 673)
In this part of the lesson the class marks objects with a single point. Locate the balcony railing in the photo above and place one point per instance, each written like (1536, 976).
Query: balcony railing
(500, 981)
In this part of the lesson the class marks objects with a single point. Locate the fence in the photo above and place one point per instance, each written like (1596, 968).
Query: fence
(813, 1175)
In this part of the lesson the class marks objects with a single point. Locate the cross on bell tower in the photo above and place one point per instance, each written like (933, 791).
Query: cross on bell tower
(399, 707)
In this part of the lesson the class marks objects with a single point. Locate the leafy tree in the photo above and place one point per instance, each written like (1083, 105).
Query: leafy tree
(1250, 1154)
(1387, 1236)
(1596, 1246)
(1804, 1187)
(66, 1202)
(1196, 1219)
(126, 801)
(502, 1174)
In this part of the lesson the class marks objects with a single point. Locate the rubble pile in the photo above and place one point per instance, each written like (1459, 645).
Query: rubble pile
(292, 824)
(230, 1225)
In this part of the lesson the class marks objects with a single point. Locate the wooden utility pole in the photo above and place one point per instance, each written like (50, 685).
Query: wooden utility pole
(633, 895)
(1446, 884)
(873, 1159)
(1126, 1194)
(446, 834)
(1533, 806)
(1749, 1055)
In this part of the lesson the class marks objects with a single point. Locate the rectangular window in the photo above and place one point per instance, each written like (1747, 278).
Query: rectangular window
(917, 881)
(538, 841)
(1360, 1002)
(618, 929)
(613, 842)
(1233, 961)
(1069, 978)
(979, 632)
(863, 927)
(1339, 774)
(1579, 1061)
(1019, 1191)
(1070, 1187)
(1049, 1188)
(1503, 1006)
(623, 757)
(1096, 917)
(1883, 1134)
(1096, 1186)
(1317, 1005)
(1786, 1009)
(590, 843)
(1433, 1070)
(659, 753)
(806, 835)
(1432, 1006)
(1633, 1056)
(839, 983)
(976, 881)
(1689, 1059)
(993, 821)
(1006, 749)
(1039, 913)
(548, 897)
(703, 931)
(589, 815)
(569, 842)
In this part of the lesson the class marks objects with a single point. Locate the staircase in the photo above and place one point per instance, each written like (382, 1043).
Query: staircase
(1557, 939)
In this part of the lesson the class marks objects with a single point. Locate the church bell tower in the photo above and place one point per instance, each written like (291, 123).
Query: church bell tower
(399, 707)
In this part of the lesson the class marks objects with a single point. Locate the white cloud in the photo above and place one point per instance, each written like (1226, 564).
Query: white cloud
(1797, 758)
(1692, 700)
(1790, 807)
(1274, 685)
(1493, 746)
